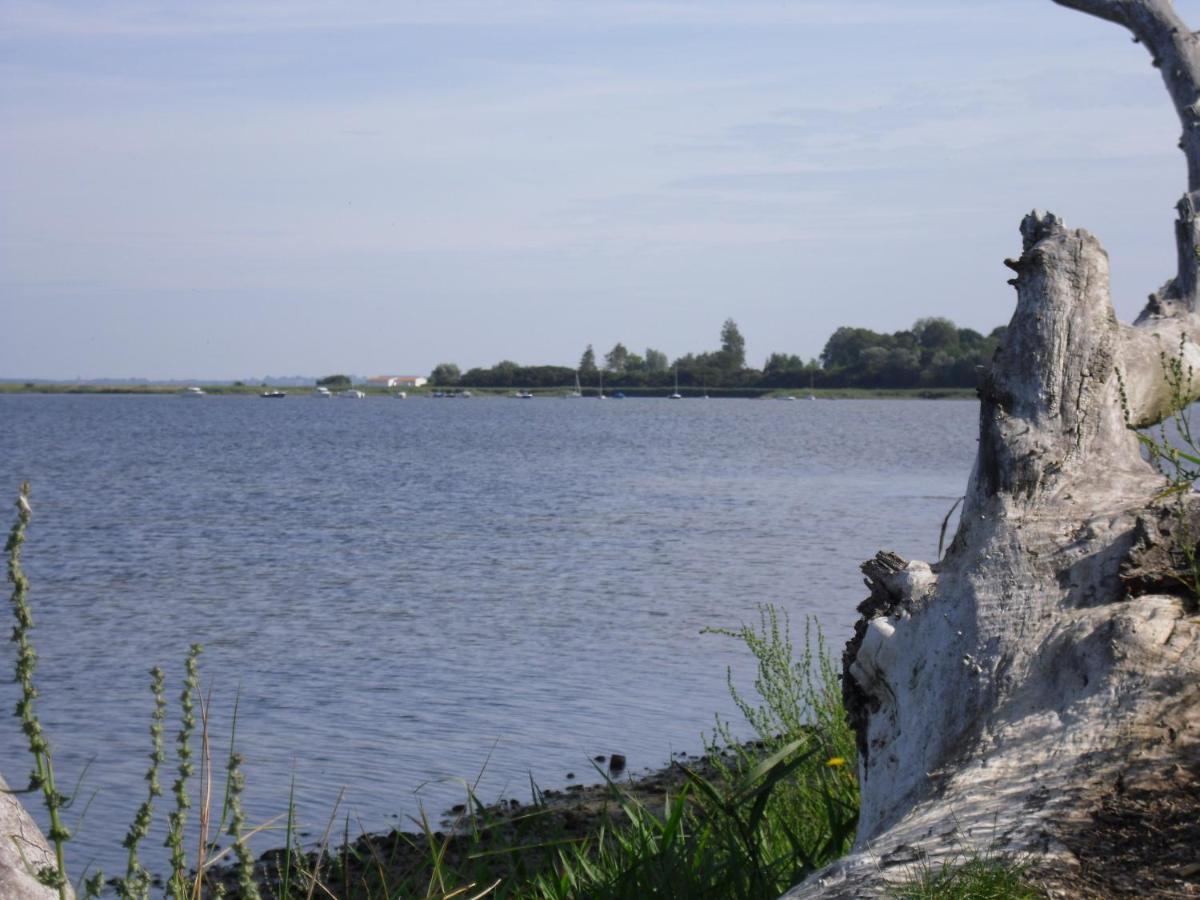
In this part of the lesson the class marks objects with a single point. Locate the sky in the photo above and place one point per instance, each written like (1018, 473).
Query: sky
(235, 188)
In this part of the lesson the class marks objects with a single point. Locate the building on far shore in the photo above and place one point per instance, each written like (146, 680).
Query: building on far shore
(395, 381)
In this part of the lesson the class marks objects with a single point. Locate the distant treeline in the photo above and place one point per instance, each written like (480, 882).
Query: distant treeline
(934, 353)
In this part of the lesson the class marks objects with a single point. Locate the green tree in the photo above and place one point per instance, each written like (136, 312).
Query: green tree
(903, 367)
(445, 374)
(504, 373)
(587, 362)
(778, 363)
(615, 359)
(733, 346)
(656, 360)
(969, 339)
(634, 363)
(936, 334)
(872, 363)
(334, 382)
(845, 345)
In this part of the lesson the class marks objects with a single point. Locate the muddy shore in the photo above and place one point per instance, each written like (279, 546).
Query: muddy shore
(508, 838)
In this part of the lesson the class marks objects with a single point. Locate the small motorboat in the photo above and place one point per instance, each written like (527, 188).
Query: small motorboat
(273, 395)
(193, 392)
(353, 394)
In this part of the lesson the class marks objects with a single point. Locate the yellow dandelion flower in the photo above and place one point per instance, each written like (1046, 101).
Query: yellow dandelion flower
(835, 762)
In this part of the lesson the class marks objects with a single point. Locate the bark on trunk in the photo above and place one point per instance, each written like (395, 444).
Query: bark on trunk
(1052, 653)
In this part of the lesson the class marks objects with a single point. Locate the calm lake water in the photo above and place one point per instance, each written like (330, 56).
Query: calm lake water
(405, 593)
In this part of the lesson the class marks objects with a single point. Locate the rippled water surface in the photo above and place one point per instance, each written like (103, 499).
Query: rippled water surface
(405, 591)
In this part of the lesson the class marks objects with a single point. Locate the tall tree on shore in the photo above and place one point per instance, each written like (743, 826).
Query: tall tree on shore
(587, 362)
(445, 374)
(615, 359)
(656, 360)
(733, 346)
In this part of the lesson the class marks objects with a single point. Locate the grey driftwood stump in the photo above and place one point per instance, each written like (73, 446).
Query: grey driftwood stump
(1052, 654)
(23, 850)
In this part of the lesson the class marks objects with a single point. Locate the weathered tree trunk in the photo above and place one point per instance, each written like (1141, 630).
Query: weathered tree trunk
(1048, 659)
(23, 851)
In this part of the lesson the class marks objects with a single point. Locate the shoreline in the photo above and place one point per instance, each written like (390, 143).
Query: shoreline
(524, 835)
(301, 393)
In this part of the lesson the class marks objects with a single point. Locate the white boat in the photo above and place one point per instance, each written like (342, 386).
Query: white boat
(193, 392)
(273, 395)
(602, 397)
(677, 395)
(524, 395)
(322, 392)
(352, 394)
(578, 392)
(401, 395)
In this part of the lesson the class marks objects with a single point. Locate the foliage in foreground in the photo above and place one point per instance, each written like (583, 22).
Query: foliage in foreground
(776, 810)
(187, 876)
(979, 877)
(754, 821)
(751, 822)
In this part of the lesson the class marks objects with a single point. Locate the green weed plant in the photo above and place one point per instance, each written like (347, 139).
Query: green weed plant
(187, 877)
(777, 810)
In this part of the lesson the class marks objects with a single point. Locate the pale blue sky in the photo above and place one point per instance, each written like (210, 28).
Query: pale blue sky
(231, 188)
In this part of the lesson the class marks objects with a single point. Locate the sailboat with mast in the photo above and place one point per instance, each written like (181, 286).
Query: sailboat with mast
(677, 395)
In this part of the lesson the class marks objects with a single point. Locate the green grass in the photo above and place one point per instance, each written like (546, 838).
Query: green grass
(976, 877)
